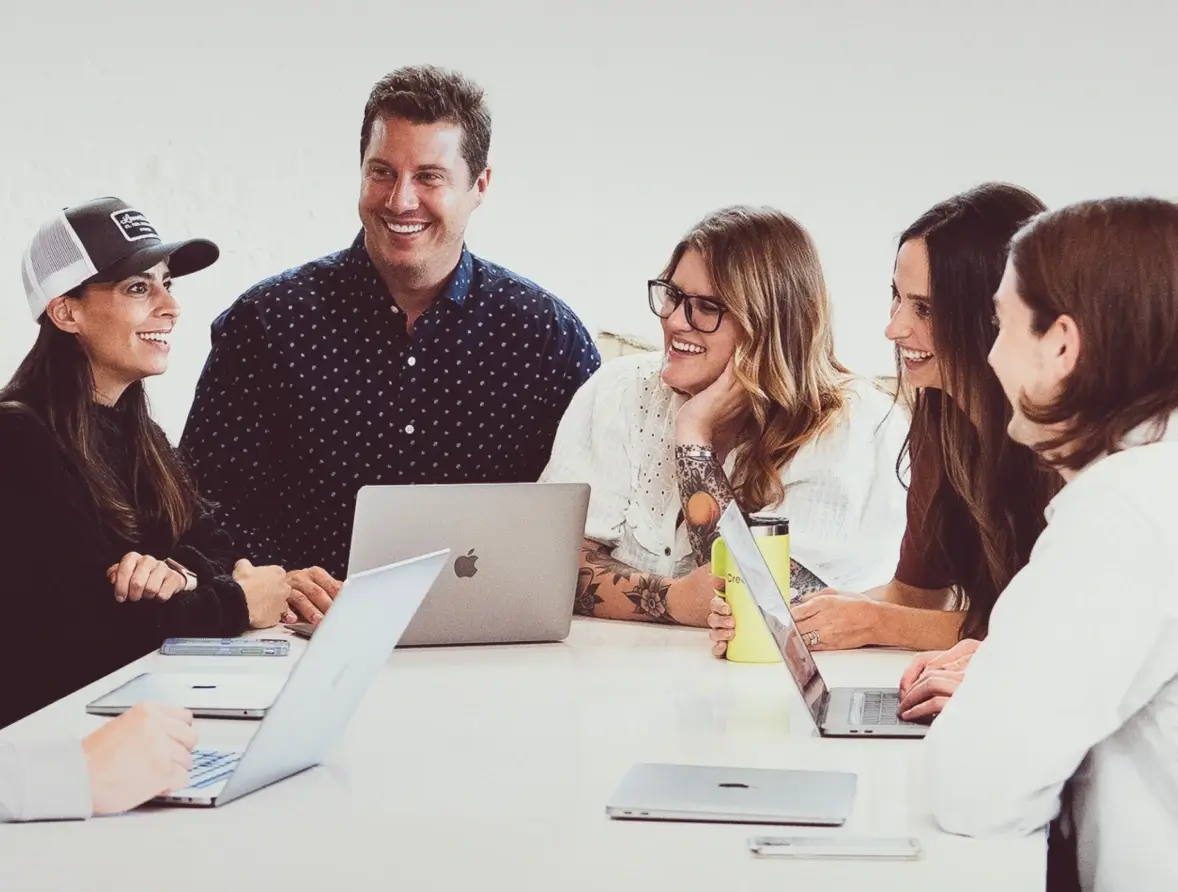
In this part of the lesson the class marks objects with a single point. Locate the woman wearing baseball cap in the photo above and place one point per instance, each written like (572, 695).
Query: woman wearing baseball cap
(107, 549)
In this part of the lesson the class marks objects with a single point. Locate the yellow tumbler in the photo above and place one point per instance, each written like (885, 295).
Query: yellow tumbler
(752, 642)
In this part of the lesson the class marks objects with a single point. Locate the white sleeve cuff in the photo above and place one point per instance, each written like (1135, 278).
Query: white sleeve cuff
(44, 781)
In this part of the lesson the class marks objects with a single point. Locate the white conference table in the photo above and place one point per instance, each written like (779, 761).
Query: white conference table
(489, 768)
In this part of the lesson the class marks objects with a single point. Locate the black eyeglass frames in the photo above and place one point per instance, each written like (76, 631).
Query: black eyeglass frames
(703, 313)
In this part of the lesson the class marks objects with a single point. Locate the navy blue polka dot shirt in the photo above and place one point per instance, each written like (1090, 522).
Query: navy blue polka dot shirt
(314, 388)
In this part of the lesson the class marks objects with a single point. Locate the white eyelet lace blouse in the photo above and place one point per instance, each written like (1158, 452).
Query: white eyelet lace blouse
(845, 505)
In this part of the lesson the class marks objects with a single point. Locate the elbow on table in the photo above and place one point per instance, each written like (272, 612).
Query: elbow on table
(966, 802)
(974, 797)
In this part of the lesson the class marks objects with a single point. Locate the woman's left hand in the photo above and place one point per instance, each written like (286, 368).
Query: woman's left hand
(832, 620)
(711, 409)
(141, 576)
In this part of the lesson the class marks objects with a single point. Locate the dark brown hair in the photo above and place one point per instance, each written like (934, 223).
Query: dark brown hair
(55, 383)
(986, 509)
(765, 270)
(1112, 266)
(426, 94)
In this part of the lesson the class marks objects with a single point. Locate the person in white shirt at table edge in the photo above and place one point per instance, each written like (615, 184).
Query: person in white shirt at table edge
(1069, 708)
(129, 760)
(747, 402)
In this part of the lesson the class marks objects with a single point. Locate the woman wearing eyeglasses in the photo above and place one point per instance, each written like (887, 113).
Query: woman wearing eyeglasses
(748, 402)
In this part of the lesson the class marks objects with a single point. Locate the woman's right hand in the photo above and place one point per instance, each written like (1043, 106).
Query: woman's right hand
(932, 678)
(721, 624)
(266, 592)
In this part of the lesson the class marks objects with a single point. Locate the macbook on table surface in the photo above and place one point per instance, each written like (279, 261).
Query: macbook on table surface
(837, 712)
(515, 549)
(662, 792)
(212, 694)
(351, 645)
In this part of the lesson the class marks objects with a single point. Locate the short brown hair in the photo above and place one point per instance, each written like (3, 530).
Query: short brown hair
(426, 94)
(1112, 266)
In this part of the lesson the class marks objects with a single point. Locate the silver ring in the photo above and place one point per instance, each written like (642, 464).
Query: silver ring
(812, 638)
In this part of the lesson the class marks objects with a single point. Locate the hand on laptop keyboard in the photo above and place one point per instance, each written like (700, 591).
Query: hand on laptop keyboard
(932, 679)
(142, 753)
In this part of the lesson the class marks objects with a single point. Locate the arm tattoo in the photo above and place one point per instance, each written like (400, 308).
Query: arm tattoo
(650, 598)
(802, 580)
(587, 598)
(646, 591)
(705, 492)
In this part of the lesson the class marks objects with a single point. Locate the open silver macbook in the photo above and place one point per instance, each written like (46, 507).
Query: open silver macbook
(351, 645)
(515, 547)
(211, 694)
(660, 792)
(838, 712)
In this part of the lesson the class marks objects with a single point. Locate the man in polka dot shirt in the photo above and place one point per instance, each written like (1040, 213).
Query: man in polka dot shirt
(401, 359)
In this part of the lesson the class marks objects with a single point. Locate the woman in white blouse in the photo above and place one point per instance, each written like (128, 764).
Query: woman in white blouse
(748, 402)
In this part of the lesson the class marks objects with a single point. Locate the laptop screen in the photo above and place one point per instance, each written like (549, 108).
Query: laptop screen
(763, 588)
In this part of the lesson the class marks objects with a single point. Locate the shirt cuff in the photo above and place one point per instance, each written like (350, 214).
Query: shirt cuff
(52, 782)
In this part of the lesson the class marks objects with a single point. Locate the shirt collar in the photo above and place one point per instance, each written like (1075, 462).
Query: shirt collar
(1162, 429)
(457, 288)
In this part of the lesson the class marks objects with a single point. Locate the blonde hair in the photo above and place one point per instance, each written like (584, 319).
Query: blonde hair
(765, 270)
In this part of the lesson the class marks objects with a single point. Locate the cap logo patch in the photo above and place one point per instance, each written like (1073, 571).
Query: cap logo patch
(133, 225)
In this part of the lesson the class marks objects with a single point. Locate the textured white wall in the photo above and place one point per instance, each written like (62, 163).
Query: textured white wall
(615, 127)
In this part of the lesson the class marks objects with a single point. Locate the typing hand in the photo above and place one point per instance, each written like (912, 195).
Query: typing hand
(932, 678)
(313, 590)
(139, 576)
(266, 593)
(141, 754)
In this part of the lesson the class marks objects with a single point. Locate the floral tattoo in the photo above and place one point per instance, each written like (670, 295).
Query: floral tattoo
(646, 591)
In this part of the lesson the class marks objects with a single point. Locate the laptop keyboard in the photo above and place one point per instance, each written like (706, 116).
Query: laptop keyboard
(875, 708)
(210, 767)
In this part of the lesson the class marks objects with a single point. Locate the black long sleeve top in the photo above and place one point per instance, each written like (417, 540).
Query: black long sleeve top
(64, 629)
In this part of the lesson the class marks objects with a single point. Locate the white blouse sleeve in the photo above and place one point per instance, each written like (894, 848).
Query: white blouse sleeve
(592, 446)
(847, 507)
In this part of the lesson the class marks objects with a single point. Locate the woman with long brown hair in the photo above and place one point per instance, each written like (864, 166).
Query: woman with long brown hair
(107, 549)
(976, 499)
(746, 402)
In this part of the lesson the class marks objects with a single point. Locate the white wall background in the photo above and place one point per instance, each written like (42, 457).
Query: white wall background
(616, 125)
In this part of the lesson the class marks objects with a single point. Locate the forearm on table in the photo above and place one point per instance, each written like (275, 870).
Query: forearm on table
(610, 589)
(915, 628)
(216, 608)
(896, 592)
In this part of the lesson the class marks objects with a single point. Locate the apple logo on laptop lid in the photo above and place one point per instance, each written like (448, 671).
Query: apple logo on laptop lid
(464, 565)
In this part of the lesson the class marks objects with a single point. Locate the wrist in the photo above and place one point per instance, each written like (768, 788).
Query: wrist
(693, 434)
(890, 624)
(911, 628)
(189, 576)
(683, 607)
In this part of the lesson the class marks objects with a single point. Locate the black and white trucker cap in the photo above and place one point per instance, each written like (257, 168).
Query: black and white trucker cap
(103, 240)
